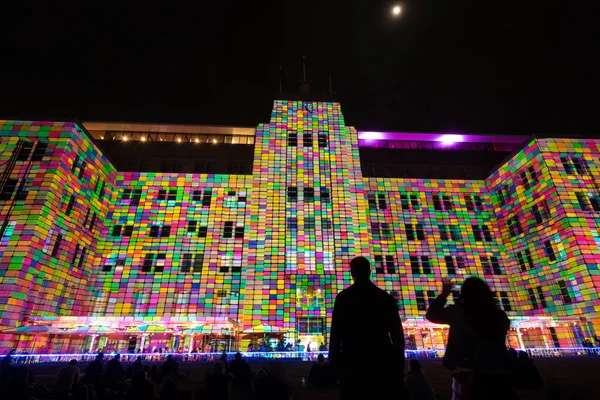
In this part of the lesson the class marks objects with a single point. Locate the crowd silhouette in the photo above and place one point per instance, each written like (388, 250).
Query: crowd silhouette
(481, 365)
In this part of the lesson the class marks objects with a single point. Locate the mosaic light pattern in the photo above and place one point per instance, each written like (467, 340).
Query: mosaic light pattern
(272, 248)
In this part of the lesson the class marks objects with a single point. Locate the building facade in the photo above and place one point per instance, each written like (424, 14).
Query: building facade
(93, 234)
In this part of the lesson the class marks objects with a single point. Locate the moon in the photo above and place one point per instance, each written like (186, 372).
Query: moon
(396, 10)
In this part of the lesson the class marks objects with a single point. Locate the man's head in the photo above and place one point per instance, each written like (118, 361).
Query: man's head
(360, 268)
(73, 362)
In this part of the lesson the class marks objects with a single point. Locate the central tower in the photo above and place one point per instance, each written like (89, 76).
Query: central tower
(305, 218)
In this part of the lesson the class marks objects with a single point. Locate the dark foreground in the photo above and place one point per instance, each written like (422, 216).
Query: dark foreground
(566, 378)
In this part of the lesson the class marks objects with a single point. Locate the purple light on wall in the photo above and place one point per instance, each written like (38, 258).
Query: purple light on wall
(371, 135)
(450, 139)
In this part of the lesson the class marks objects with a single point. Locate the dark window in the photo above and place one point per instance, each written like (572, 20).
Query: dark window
(186, 262)
(25, 150)
(162, 195)
(192, 226)
(198, 262)
(307, 139)
(595, 200)
(102, 191)
(496, 265)
(426, 264)
(292, 223)
(148, 262)
(521, 260)
(414, 265)
(106, 268)
(381, 202)
(77, 246)
(541, 297)
(292, 193)
(469, 202)
(448, 203)
(292, 139)
(450, 265)
(207, 198)
(160, 262)
(309, 194)
(126, 195)
(372, 201)
(92, 221)
(9, 187)
(420, 231)
(172, 195)
(166, 231)
(486, 233)
(202, 231)
(485, 263)
(437, 204)
(136, 196)
(528, 258)
(70, 205)
(322, 140)
(404, 201)
(505, 301)
(582, 199)
(525, 180)
(443, 232)
(533, 175)
(580, 165)
(421, 305)
(533, 299)
(197, 195)
(228, 230)
(549, 250)
(390, 266)
(75, 163)
(117, 230)
(128, 230)
(56, 247)
(40, 151)
(325, 198)
(379, 269)
(82, 169)
(565, 292)
(536, 214)
(309, 223)
(477, 233)
(154, 230)
(239, 232)
(82, 258)
(326, 224)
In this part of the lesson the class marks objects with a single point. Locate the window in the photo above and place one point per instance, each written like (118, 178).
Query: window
(92, 221)
(381, 230)
(414, 232)
(75, 254)
(126, 195)
(228, 230)
(490, 265)
(311, 326)
(309, 224)
(165, 194)
(564, 292)
(442, 202)
(70, 204)
(473, 202)
(57, 243)
(239, 232)
(81, 171)
(192, 226)
(421, 305)
(540, 212)
(40, 151)
(528, 177)
(202, 231)
(128, 230)
(117, 230)
(206, 199)
(525, 260)
(533, 299)
(197, 195)
(574, 165)
(309, 194)
(514, 226)
(160, 231)
(424, 267)
(481, 233)
(75, 163)
(541, 297)
(326, 225)
(292, 223)
(549, 250)
(322, 140)
(82, 258)
(449, 232)
(586, 200)
(192, 262)
(9, 187)
(410, 201)
(505, 301)
(292, 193)
(25, 150)
(325, 197)
(102, 191)
(385, 264)
(454, 262)
(377, 201)
(503, 195)
(292, 139)
(132, 194)
(307, 139)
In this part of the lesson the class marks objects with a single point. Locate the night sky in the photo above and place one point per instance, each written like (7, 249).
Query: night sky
(475, 66)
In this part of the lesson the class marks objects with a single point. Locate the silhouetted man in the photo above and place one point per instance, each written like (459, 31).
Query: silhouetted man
(367, 343)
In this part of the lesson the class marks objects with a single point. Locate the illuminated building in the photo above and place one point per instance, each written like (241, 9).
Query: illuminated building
(102, 237)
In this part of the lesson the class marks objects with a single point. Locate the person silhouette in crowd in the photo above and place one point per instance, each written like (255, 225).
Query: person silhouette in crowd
(67, 378)
(217, 383)
(320, 374)
(240, 370)
(169, 390)
(366, 331)
(270, 384)
(170, 367)
(114, 372)
(476, 350)
(416, 383)
(141, 388)
(94, 371)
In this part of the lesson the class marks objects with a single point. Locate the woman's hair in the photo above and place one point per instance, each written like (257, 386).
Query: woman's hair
(481, 308)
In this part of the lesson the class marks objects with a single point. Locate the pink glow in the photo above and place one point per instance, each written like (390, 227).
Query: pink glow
(449, 140)
(442, 137)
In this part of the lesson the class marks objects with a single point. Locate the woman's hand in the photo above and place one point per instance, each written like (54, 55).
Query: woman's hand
(446, 287)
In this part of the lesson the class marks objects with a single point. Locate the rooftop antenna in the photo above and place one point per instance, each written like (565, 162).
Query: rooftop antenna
(330, 85)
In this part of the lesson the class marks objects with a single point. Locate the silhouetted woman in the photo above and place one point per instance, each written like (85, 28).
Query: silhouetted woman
(476, 351)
